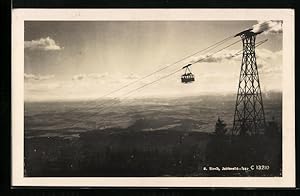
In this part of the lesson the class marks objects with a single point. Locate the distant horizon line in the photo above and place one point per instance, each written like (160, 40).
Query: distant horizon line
(142, 97)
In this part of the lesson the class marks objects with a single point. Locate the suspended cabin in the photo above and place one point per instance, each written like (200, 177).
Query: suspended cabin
(187, 77)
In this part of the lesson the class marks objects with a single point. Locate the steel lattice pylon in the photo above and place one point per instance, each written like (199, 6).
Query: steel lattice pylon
(249, 116)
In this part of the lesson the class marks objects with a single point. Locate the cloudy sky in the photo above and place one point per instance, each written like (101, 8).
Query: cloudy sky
(86, 60)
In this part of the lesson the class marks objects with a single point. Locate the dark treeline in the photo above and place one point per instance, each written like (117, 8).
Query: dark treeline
(157, 153)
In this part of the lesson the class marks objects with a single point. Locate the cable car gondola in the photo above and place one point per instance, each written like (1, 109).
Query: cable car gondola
(187, 77)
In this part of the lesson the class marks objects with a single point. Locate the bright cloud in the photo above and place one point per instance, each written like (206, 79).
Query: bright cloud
(269, 62)
(32, 77)
(90, 76)
(105, 77)
(216, 58)
(235, 55)
(273, 26)
(44, 44)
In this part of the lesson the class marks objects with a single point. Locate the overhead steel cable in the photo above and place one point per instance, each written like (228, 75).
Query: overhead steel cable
(174, 63)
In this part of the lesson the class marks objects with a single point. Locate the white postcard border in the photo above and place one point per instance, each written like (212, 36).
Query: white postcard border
(17, 79)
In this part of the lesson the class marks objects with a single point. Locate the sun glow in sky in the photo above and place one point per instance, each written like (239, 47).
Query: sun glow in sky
(86, 60)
